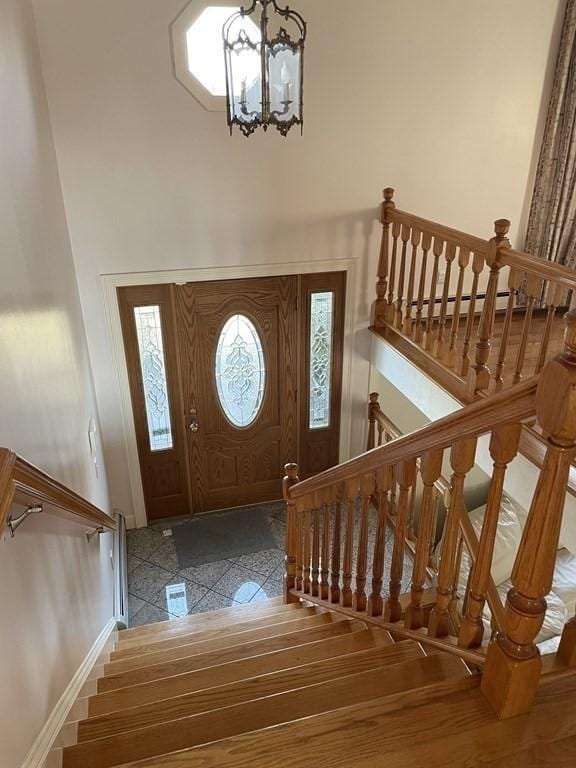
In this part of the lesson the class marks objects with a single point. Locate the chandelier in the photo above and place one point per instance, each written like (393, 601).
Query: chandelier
(264, 53)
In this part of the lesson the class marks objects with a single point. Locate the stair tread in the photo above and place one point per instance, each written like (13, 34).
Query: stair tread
(229, 639)
(208, 619)
(186, 634)
(233, 671)
(246, 689)
(266, 711)
(197, 661)
(447, 725)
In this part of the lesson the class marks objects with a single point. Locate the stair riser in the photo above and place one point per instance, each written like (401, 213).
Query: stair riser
(180, 666)
(209, 620)
(245, 690)
(188, 635)
(263, 713)
(236, 671)
(183, 651)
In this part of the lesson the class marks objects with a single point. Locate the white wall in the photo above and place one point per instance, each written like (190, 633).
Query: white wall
(55, 589)
(440, 99)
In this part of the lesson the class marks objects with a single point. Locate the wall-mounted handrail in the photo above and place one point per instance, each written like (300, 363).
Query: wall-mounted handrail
(23, 483)
(473, 420)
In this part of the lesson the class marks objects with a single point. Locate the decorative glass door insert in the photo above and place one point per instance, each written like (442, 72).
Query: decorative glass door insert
(321, 335)
(240, 371)
(153, 368)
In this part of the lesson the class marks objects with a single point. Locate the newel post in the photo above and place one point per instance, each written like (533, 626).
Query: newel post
(481, 373)
(373, 408)
(513, 664)
(290, 479)
(382, 285)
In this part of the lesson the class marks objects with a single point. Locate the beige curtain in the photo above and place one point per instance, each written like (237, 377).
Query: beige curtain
(552, 224)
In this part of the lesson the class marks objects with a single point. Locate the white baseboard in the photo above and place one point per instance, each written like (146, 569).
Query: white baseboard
(38, 753)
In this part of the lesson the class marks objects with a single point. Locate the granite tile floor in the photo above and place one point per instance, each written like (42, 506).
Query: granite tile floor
(159, 589)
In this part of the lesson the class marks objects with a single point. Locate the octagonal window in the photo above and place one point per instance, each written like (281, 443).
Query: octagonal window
(198, 50)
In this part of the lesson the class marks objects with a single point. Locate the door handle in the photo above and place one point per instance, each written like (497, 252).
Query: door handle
(194, 426)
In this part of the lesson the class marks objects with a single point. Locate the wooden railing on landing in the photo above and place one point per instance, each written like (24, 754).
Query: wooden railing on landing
(439, 293)
(24, 484)
(321, 545)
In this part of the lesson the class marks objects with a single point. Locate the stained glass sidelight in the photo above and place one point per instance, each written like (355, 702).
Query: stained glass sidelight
(240, 371)
(153, 367)
(321, 332)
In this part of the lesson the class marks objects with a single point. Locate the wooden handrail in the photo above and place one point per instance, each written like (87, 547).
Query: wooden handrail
(474, 420)
(476, 244)
(546, 270)
(23, 483)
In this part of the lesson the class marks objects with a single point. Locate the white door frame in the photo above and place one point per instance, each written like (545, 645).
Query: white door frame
(111, 282)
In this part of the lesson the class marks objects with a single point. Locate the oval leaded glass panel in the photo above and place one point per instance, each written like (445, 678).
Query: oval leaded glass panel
(240, 371)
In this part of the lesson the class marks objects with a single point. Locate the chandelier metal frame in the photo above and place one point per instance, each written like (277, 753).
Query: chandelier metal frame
(267, 47)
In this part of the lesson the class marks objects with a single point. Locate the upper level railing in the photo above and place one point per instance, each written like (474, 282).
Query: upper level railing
(23, 484)
(335, 542)
(487, 314)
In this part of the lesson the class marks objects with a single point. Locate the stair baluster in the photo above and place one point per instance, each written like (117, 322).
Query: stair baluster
(391, 312)
(481, 377)
(463, 262)
(437, 250)
(382, 286)
(430, 470)
(366, 491)
(514, 283)
(346, 593)
(307, 583)
(291, 478)
(406, 475)
(555, 294)
(336, 547)
(299, 546)
(315, 572)
(373, 408)
(503, 449)
(462, 460)
(405, 236)
(375, 605)
(477, 267)
(534, 286)
(325, 558)
(418, 330)
(408, 323)
(441, 344)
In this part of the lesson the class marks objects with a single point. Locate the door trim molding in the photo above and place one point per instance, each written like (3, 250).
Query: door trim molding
(110, 282)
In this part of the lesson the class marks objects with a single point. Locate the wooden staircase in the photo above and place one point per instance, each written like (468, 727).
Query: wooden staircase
(173, 691)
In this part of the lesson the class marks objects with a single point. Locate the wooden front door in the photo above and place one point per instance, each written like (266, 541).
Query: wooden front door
(238, 348)
(231, 380)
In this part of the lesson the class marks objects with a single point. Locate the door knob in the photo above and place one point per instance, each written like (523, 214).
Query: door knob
(194, 426)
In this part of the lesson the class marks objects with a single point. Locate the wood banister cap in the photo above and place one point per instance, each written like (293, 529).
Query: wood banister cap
(388, 194)
(291, 471)
(502, 227)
